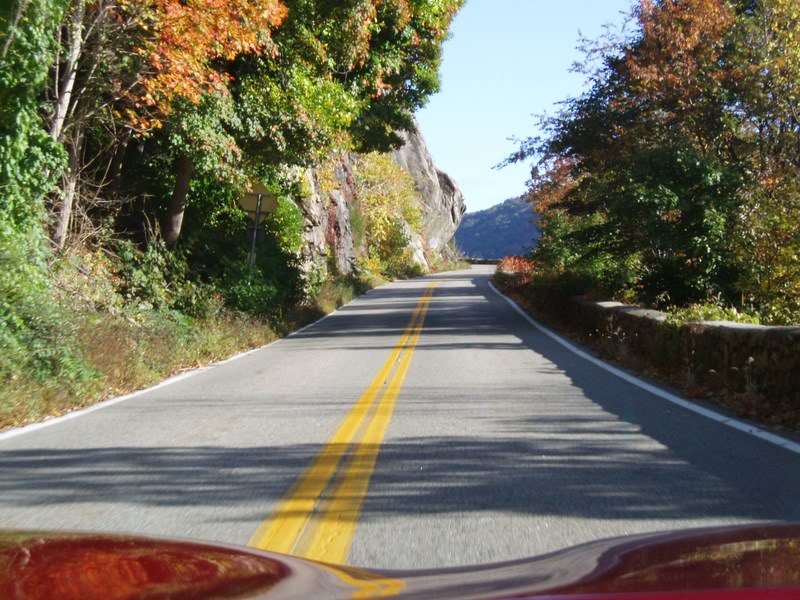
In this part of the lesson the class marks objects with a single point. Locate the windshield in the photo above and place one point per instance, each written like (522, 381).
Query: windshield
(399, 284)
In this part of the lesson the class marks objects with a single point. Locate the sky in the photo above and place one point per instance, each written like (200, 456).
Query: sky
(507, 61)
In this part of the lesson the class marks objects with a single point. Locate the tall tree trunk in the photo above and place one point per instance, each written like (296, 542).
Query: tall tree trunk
(173, 220)
(114, 176)
(75, 47)
(68, 194)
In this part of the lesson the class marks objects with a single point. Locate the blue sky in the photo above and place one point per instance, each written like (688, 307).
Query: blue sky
(507, 60)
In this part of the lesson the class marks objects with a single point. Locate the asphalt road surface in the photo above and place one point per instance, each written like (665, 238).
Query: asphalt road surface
(426, 424)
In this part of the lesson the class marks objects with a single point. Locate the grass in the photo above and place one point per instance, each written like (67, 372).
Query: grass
(122, 355)
(121, 349)
(710, 311)
(123, 352)
(342, 290)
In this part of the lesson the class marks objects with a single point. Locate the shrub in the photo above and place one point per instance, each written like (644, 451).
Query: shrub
(142, 276)
(515, 271)
(285, 226)
(359, 226)
(387, 198)
(710, 311)
(246, 289)
(34, 335)
(516, 264)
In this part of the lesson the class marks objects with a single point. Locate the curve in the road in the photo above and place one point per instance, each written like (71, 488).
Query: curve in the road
(502, 444)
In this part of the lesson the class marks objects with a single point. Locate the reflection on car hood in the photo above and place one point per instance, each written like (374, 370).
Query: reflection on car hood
(761, 562)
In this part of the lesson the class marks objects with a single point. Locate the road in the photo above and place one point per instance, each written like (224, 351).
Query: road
(425, 424)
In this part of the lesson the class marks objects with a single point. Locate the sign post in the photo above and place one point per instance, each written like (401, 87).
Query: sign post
(258, 202)
(251, 258)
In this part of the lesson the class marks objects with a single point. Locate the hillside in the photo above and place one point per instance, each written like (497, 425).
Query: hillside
(502, 230)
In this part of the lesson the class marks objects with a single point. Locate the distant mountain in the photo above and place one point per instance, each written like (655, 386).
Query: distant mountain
(502, 230)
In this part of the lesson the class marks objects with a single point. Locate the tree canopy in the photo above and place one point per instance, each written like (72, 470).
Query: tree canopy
(674, 178)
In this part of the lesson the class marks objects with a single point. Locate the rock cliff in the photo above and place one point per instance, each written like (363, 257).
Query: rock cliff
(328, 231)
(441, 200)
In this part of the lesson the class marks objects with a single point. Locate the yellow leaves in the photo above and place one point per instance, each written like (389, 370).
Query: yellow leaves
(783, 18)
(387, 196)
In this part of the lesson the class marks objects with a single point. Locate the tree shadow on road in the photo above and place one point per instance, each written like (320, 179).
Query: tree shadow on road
(591, 446)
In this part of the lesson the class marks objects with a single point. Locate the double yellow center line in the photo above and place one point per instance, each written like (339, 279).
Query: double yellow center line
(318, 517)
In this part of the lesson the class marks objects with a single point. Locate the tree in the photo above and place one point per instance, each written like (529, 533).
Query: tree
(338, 71)
(674, 178)
(765, 78)
(192, 38)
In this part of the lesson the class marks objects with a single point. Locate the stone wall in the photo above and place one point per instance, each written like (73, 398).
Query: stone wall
(753, 369)
(713, 355)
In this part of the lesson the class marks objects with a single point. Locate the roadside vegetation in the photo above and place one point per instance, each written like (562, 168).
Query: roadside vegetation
(748, 371)
(674, 180)
(128, 130)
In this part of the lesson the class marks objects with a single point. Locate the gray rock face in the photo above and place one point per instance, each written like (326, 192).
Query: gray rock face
(417, 246)
(442, 202)
(315, 225)
(340, 233)
(328, 232)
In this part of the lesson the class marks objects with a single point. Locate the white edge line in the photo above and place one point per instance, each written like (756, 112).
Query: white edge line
(16, 431)
(762, 434)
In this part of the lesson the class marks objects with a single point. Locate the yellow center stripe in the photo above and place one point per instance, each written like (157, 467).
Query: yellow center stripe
(339, 518)
(282, 532)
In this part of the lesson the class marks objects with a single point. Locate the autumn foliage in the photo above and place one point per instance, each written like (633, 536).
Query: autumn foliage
(681, 44)
(189, 35)
(515, 264)
(674, 179)
(130, 128)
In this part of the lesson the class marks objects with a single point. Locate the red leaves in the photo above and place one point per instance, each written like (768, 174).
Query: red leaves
(680, 45)
(516, 265)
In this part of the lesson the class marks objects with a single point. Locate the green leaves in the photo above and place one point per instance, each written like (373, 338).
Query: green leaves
(285, 226)
(679, 168)
(30, 162)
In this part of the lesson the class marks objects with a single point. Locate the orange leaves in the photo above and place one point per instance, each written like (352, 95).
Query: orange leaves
(521, 267)
(516, 264)
(680, 40)
(188, 36)
(551, 186)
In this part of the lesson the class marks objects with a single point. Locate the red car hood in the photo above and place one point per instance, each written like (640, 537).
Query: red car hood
(736, 563)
